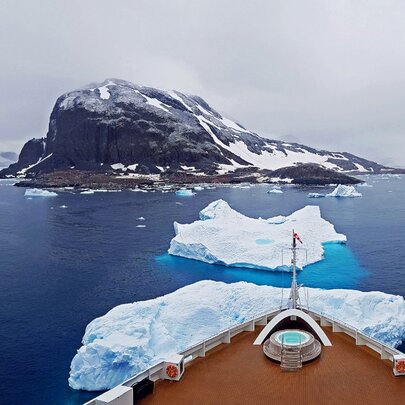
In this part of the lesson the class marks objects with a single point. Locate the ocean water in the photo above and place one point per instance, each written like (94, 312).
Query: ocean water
(62, 267)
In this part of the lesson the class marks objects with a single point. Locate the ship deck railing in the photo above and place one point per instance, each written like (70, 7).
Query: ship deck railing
(155, 371)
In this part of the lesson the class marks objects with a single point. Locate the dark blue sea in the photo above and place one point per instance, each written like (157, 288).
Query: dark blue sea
(62, 267)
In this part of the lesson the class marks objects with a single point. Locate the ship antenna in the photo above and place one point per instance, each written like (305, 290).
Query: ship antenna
(294, 288)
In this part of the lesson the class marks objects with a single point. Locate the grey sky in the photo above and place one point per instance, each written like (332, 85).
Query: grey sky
(330, 74)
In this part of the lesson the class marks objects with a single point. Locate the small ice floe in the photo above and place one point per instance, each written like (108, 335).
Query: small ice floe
(184, 192)
(63, 206)
(275, 190)
(179, 203)
(141, 226)
(141, 219)
(139, 190)
(365, 185)
(316, 195)
(38, 192)
(210, 187)
(87, 192)
(344, 191)
(198, 188)
(241, 186)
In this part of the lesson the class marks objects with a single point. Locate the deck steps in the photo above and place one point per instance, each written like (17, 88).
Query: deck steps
(291, 358)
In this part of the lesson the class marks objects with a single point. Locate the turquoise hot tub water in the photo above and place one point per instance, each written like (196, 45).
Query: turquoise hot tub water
(292, 338)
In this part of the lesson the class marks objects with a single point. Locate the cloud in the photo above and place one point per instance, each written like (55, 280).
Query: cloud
(331, 74)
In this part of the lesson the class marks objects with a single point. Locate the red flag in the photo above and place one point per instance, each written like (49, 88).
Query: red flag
(295, 236)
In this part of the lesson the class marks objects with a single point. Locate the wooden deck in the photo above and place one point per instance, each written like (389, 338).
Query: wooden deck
(239, 373)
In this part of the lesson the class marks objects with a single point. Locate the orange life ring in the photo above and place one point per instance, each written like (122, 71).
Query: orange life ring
(400, 366)
(171, 371)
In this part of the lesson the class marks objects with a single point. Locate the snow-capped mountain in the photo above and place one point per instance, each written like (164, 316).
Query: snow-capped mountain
(117, 125)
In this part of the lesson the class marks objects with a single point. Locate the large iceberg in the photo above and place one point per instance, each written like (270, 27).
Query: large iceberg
(224, 236)
(132, 337)
(344, 191)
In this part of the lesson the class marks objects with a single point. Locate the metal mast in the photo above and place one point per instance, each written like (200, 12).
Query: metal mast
(294, 297)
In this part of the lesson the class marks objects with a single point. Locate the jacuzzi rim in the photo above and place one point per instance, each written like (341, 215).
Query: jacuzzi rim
(298, 331)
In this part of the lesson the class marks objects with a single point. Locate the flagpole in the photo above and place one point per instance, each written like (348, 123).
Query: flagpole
(293, 293)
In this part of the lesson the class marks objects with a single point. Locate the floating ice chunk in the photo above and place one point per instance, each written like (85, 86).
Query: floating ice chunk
(316, 195)
(344, 191)
(132, 337)
(224, 236)
(141, 226)
(364, 185)
(275, 190)
(139, 190)
(183, 192)
(246, 186)
(63, 206)
(198, 188)
(141, 219)
(87, 192)
(38, 192)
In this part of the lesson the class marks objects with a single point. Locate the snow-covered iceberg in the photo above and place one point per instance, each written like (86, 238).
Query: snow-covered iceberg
(37, 192)
(344, 191)
(224, 236)
(132, 337)
(275, 190)
(316, 195)
(183, 192)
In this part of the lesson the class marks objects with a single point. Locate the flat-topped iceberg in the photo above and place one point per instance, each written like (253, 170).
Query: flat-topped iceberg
(344, 191)
(37, 192)
(132, 337)
(183, 192)
(227, 237)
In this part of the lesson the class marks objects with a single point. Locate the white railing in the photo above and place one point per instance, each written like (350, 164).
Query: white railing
(199, 349)
(385, 351)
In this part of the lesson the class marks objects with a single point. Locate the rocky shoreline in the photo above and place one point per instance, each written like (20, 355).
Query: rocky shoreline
(309, 174)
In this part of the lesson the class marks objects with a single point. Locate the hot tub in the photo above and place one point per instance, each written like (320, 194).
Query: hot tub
(308, 346)
(292, 337)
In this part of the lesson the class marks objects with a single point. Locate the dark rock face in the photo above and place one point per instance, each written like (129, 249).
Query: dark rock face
(311, 174)
(30, 154)
(155, 131)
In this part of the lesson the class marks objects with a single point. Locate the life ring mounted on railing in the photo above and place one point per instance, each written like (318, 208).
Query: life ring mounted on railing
(400, 366)
(172, 371)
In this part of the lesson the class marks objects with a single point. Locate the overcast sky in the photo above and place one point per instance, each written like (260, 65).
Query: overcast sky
(329, 74)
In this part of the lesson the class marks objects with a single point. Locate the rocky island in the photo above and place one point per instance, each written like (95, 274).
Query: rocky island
(117, 134)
